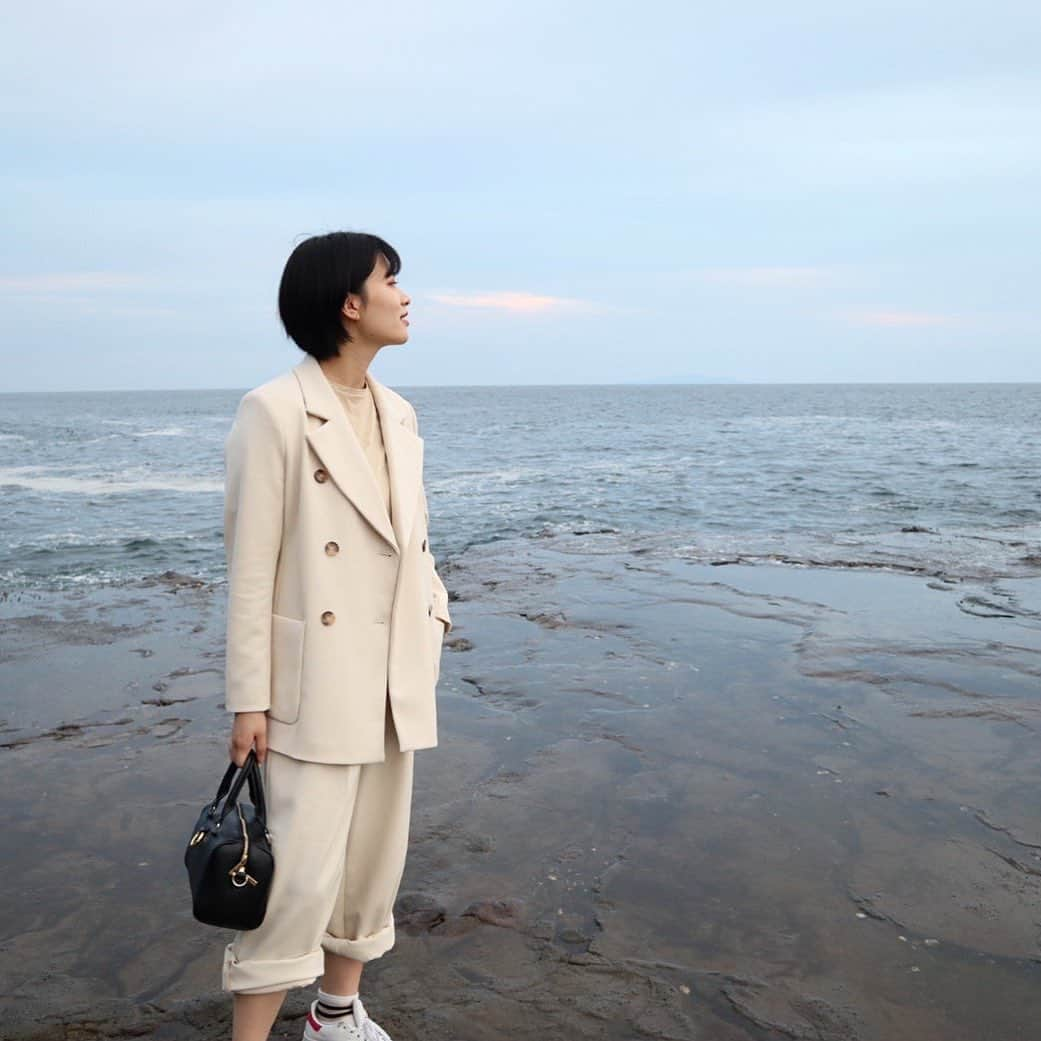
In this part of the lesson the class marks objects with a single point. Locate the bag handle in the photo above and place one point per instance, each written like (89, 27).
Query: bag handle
(250, 772)
(256, 791)
(225, 784)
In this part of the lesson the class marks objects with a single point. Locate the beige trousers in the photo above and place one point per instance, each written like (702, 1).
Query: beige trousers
(339, 835)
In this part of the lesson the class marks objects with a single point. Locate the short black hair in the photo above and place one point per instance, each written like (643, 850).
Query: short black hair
(318, 275)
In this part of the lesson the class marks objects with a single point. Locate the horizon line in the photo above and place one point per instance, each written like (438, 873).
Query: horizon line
(620, 383)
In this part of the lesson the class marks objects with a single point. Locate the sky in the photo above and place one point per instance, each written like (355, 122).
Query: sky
(581, 192)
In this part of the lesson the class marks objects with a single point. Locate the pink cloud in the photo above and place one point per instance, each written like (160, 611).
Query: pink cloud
(514, 302)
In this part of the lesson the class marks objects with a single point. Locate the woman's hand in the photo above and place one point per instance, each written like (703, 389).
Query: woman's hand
(249, 729)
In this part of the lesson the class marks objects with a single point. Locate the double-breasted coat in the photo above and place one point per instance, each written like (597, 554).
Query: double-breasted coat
(333, 607)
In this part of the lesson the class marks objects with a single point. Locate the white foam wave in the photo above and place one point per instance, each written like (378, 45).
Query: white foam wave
(95, 440)
(108, 537)
(66, 485)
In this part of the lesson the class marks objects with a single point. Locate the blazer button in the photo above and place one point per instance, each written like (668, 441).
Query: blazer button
(331, 549)
(430, 610)
(328, 618)
(321, 476)
(424, 545)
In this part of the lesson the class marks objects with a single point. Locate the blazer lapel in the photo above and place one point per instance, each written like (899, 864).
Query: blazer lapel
(342, 455)
(404, 459)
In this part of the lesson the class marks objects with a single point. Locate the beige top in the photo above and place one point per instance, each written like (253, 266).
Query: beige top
(360, 407)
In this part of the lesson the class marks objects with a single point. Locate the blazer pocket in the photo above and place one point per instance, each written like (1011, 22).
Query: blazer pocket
(287, 666)
(437, 639)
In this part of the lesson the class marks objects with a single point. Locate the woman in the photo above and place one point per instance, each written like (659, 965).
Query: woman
(336, 617)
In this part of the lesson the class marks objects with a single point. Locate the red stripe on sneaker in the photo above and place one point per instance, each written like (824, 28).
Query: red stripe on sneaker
(314, 1022)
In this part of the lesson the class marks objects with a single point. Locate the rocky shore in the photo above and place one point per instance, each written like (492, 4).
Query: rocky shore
(670, 800)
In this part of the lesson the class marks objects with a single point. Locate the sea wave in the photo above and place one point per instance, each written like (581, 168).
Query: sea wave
(65, 484)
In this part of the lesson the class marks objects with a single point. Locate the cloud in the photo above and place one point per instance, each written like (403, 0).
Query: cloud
(516, 302)
(769, 277)
(900, 319)
(880, 137)
(72, 282)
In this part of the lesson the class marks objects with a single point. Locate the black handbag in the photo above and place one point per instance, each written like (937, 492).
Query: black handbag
(229, 859)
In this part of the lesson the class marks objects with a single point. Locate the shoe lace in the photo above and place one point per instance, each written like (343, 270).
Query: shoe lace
(372, 1031)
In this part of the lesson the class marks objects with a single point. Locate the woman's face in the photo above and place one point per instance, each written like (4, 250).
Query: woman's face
(380, 318)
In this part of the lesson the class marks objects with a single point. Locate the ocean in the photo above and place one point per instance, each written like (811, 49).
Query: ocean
(106, 488)
(792, 794)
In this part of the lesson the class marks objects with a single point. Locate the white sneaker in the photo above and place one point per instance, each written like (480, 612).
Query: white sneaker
(355, 1026)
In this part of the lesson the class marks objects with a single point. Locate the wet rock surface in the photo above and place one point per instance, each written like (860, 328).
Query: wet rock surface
(669, 801)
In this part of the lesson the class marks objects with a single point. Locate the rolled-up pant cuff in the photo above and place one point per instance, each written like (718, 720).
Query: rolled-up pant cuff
(366, 948)
(262, 977)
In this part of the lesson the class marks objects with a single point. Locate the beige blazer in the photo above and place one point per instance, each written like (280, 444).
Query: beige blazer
(332, 608)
